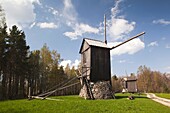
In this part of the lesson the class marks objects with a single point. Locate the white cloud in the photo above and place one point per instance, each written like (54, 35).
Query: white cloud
(79, 30)
(72, 35)
(53, 11)
(50, 25)
(32, 25)
(69, 12)
(118, 26)
(70, 63)
(155, 43)
(64, 63)
(19, 12)
(167, 46)
(128, 48)
(86, 28)
(161, 21)
(167, 69)
(76, 63)
(115, 10)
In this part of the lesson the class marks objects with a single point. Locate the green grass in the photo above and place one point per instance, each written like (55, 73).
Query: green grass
(75, 104)
(163, 95)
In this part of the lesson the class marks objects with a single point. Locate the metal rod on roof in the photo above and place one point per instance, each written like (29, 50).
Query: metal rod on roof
(105, 40)
(127, 40)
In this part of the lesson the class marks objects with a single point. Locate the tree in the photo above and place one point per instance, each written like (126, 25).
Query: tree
(13, 67)
(34, 77)
(17, 59)
(72, 72)
(3, 35)
(144, 78)
(51, 73)
(46, 62)
(152, 81)
(44, 70)
(56, 74)
(67, 70)
(20, 68)
(116, 83)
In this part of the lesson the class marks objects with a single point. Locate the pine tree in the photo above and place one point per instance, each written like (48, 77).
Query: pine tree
(3, 35)
(16, 63)
(34, 77)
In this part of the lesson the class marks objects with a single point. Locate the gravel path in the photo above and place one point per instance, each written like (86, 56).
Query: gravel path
(163, 101)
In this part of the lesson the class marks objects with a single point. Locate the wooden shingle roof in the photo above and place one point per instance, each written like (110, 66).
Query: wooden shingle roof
(96, 43)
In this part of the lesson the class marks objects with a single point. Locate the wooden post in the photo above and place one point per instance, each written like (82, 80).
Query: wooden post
(29, 93)
(105, 40)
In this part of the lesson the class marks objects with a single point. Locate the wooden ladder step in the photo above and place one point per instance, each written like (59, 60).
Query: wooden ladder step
(89, 91)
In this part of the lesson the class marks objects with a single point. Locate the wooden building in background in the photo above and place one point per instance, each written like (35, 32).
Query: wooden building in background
(95, 57)
(129, 85)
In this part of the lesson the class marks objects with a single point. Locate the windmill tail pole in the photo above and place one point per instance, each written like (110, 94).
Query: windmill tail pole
(128, 40)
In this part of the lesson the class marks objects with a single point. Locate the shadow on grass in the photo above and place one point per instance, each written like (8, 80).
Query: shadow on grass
(127, 95)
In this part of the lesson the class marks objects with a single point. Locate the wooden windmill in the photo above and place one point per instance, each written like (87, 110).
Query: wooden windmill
(95, 59)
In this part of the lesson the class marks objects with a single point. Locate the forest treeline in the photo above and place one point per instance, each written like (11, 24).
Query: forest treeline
(147, 81)
(21, 68)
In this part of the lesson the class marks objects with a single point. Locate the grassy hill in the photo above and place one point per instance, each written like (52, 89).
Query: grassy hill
(163, 95)
(75, 104)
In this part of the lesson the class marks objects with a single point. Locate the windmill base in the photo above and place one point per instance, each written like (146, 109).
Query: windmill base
(100, 90)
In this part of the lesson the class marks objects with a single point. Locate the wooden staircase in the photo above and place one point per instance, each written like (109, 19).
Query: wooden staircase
(84, 81)
(89, 89)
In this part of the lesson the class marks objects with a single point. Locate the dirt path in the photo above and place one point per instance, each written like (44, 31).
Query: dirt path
(163, 101)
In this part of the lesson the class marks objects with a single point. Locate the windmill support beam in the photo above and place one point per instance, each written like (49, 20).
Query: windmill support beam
(127, 40)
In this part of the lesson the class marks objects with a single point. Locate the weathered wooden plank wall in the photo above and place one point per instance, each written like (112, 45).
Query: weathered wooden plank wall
(100, 63)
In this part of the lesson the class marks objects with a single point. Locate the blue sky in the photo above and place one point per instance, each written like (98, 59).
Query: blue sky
(62, 24)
